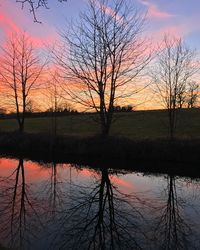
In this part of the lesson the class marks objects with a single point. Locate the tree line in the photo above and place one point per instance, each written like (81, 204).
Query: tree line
(98, 65)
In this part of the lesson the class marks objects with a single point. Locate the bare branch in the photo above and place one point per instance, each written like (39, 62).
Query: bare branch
(172, 72)
(104, 55)
(20, 72)
(34, 5)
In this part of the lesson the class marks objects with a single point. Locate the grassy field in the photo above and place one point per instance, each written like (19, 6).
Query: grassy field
(135, 125)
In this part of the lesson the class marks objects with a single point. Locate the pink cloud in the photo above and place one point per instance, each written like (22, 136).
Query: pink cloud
(12, 23)
(7, 25)
(42, 42)
(173, 30)
(109, 11)
(154, 11)
(156, 36)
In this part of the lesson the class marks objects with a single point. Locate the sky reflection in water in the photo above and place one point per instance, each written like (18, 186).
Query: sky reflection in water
(48, 206)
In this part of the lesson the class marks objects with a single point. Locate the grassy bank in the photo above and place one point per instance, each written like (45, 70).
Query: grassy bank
(112, 152)
(134, 125)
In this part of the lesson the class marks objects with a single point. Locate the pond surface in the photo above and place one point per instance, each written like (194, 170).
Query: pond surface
(64, 206)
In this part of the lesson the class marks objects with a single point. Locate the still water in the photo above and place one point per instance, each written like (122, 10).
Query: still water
(64, 206)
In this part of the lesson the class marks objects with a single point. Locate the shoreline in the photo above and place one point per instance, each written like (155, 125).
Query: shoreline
(178, 157)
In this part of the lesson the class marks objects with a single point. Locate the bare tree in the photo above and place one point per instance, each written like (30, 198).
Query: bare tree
(53, 97)
(54, 100)
(174, 70)
(182, 97)
(105, 53)
(31, 106)
(34, 5)
(20, 73)
(193, 89)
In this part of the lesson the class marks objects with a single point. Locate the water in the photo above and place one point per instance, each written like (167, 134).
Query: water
(63, 206)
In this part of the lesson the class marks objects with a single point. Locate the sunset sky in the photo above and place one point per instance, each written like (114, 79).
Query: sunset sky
(174, 16)
(163, 16)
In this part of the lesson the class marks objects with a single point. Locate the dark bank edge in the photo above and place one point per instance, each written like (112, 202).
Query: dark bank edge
(178, 157)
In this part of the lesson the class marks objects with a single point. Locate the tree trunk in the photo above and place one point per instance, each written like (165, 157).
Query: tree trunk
(106, 120)
(172, 122)
(105, 130)
(21, 126)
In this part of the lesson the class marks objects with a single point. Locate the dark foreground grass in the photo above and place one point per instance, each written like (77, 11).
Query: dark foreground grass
(135, 125)
(115, 152)
(3, 248)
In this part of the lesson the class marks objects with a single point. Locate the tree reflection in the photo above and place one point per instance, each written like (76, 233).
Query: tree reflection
(100, 216)
(173, 230)
(53, 191)
(19, 209)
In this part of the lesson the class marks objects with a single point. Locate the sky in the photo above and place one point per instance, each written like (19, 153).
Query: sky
(177, 17)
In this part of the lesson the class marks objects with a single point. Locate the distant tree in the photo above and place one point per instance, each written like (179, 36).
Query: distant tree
(193, 91)
(34, 5)
(127, 108)
(105, 53)
(2, 111)
(30, 106)
(20, 72)
(174, 69)
(65, 107)
(53, 97)
(182, 97)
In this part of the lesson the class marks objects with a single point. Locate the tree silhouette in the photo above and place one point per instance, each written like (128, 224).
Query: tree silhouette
(172, 73)
(20, 73)
(104, 55)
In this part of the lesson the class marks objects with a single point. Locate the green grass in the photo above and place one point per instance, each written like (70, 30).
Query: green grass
(135, 125)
